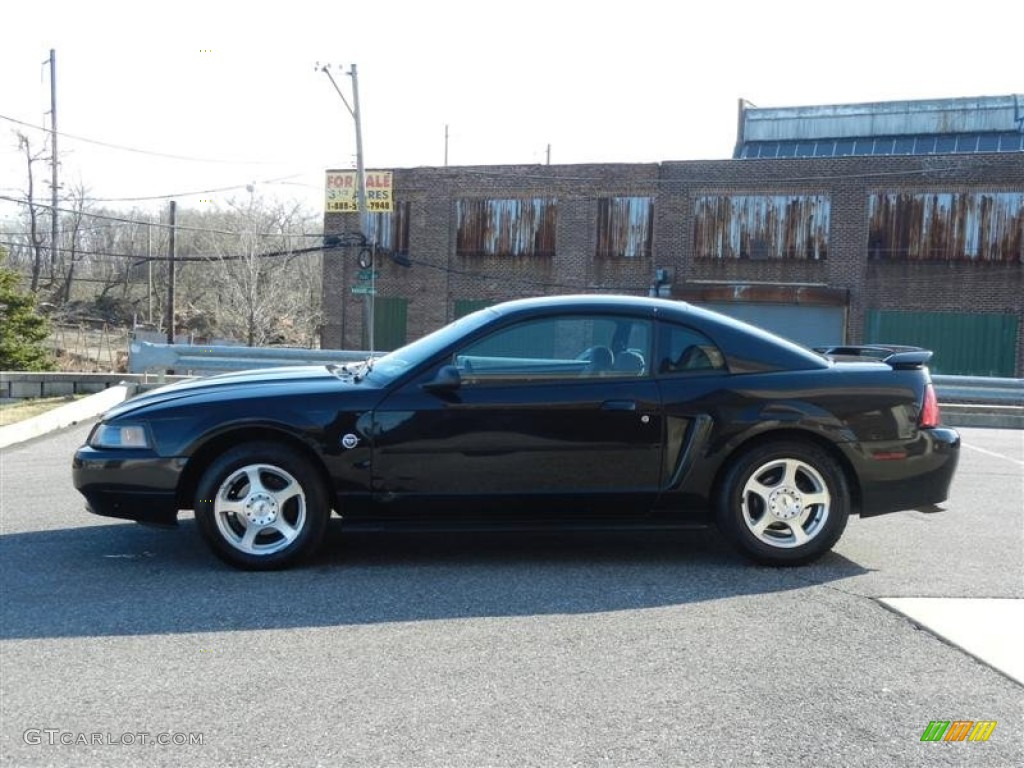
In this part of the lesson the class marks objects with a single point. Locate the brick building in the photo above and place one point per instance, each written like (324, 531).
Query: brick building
(899, 222)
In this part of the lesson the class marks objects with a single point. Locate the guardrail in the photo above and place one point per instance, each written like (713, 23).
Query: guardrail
(147, 357)
(966, 400)
(979, 389)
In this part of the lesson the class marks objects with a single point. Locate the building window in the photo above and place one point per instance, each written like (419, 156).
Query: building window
(949, 226)
(390, 231)
(625, 227)
(505, 227)
(761, 227)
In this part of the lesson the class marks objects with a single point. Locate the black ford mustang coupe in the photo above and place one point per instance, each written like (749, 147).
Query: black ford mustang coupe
(578, 411)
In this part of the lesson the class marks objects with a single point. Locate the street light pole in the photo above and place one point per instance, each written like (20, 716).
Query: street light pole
(360, 179)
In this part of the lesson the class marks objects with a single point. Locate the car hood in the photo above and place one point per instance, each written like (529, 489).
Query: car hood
(264, 382)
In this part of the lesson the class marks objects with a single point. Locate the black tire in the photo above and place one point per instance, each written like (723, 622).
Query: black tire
(783, 503)
(261, 506)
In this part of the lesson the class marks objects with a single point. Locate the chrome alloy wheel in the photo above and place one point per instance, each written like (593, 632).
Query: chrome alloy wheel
(260, 509)
(785, 503)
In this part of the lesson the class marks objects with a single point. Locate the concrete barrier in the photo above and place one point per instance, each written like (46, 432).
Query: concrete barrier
(63, 416)
(19, 385)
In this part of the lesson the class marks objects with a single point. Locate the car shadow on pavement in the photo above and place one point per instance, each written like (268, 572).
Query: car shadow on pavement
(125, 579)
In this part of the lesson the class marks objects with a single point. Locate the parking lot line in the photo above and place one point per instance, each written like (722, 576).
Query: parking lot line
(992, 453)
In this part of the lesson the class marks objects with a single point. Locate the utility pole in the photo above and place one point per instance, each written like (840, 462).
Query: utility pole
(361, 197)
(446, 145)
(149, 272)
(53, 162)
(170, 277)
(360, 180)
(360, 168)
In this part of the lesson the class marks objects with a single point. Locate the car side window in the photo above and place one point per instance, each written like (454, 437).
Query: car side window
(559, 348)
(687, 351)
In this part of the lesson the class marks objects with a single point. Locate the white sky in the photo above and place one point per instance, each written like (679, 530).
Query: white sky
(598, 81)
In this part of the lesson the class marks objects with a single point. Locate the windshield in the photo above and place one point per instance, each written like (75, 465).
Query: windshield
(392, 365)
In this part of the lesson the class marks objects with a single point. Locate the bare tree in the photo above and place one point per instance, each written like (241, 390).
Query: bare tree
(72, 229)
(309, 297)
(35, 240)
(258, 295)
(241, 273)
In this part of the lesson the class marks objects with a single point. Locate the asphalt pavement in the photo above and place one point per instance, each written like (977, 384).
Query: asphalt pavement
(502, 650)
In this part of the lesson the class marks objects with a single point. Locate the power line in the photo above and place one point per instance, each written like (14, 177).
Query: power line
(550, 177)
(213, 258)
(123, 220)
(332, 243)
(977, 162)
(300, 184)
(166, 155)
(85, 228)
(331, 247)
(281, 180)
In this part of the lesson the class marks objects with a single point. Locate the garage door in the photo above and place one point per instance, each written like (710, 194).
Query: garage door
(813, 326)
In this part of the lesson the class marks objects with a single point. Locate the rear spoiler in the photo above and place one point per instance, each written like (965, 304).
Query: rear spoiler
(896, 356)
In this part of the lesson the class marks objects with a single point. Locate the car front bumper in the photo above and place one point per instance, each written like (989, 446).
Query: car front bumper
(128, 484)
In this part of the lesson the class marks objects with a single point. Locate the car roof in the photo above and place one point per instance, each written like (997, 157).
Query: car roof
(587, 299)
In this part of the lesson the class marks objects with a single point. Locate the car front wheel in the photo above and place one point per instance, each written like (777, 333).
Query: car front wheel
(783, 503)
(261, 506)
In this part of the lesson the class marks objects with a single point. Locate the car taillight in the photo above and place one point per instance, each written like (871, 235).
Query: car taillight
(930, 408)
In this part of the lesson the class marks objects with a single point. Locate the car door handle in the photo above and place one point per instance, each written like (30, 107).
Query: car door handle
(618, 405)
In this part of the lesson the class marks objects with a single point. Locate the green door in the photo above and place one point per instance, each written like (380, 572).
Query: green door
(389, 323)
(965, 344)
(465, 307)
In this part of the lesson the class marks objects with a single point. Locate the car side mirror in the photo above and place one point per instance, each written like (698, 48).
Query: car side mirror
(447, 379)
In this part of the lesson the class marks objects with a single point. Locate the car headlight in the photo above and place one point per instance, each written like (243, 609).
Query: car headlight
(119, 436)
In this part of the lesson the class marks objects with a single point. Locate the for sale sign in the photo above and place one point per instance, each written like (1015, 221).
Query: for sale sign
(342, 196)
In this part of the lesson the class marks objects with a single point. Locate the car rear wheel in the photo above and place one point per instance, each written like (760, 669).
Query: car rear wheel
(783, 503)
(261, 506)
